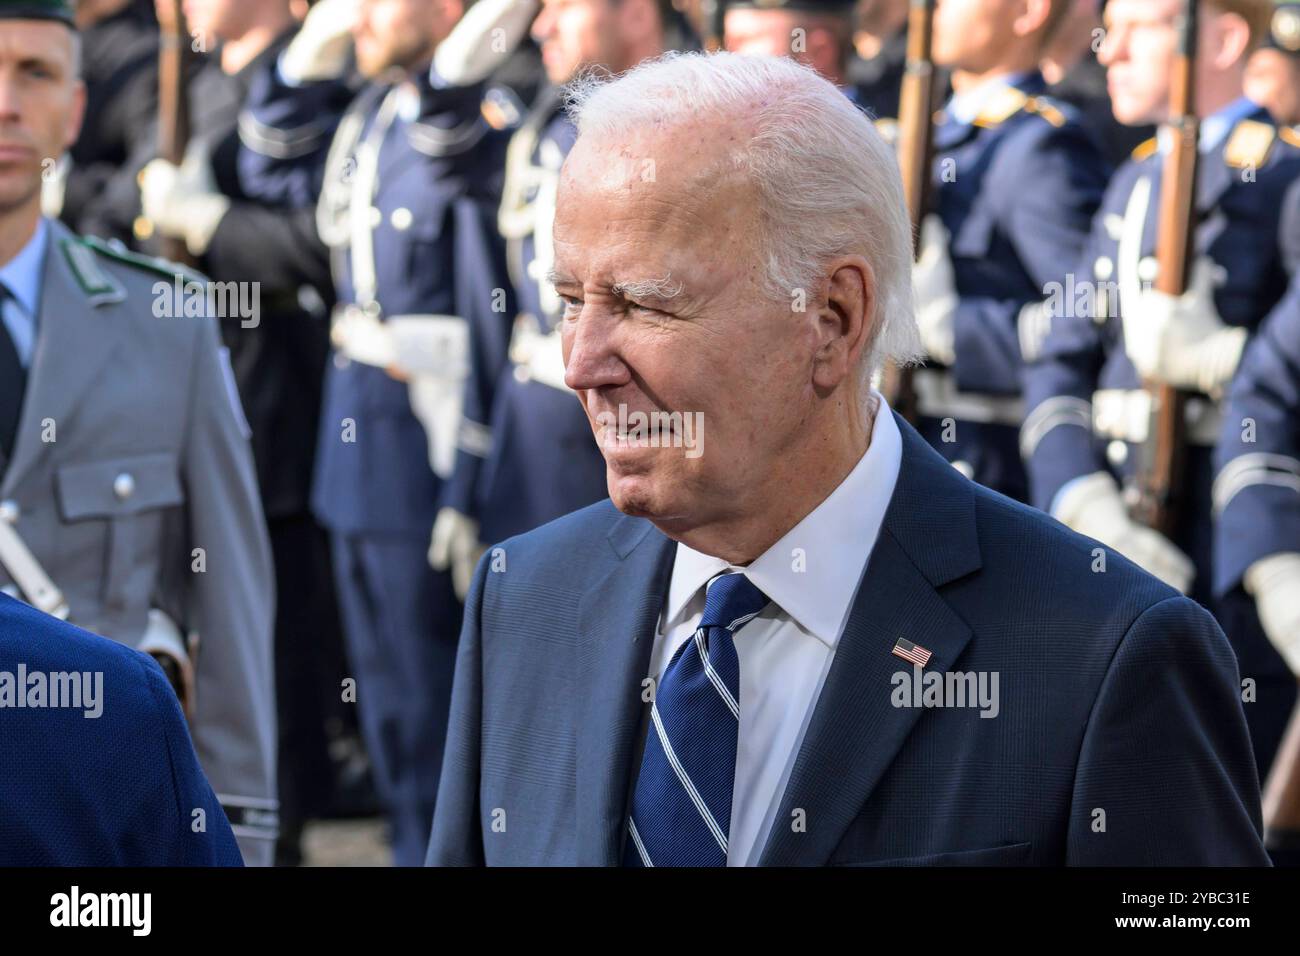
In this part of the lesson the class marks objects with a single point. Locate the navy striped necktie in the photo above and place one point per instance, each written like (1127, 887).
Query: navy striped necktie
(681, 807)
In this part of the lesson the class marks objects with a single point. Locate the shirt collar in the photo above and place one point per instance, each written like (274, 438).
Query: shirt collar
(22, 274)
(812, 573)
(964, 107)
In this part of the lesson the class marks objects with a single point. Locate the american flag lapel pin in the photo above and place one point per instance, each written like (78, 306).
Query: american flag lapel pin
(913, 653)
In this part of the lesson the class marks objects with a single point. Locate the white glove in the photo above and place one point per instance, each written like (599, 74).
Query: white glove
(455, 546)
(483, 39)
(1180, 340)
(321, 48)
(1275, 583)
(934, 291)
(363, 338)
(182, 201)
(1093, 507)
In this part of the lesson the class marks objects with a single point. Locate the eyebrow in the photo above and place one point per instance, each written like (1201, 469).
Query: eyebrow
(663, 288)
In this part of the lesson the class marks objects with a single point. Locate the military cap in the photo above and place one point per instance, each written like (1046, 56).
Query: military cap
(60, 10)
(1284, 29)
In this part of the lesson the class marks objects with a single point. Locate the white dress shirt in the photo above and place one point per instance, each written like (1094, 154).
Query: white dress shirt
(811, 575)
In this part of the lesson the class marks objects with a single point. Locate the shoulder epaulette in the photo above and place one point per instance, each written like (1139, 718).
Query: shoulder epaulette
(1144, 149)
(120, 253)
(1249, 144)
(1289, 135)
(502, 108)
(1046, 109)
(1004, 104)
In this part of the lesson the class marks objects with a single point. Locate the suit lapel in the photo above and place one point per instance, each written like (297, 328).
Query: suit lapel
(71, 353)
(617, 618)
(928, 539)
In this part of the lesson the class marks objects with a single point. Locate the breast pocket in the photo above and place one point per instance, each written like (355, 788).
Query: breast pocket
(119, 505)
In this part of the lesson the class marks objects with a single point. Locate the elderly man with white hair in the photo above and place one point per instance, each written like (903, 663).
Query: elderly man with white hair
(797, 636)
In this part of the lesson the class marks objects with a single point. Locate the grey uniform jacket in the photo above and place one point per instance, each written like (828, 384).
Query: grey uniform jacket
(132, 454)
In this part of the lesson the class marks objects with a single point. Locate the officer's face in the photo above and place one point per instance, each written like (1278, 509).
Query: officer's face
(401, 33)
(718, 352)
(41, 103)
(1140, 52)
(579, 33)
(973, 34)
(1273, 81)
(815, 41)
(216, 20)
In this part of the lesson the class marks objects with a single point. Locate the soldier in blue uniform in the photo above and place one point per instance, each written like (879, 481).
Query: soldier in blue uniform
(408, 197)
(544, 461)
(1017, 179)
(1089, 415)
(1257, 487)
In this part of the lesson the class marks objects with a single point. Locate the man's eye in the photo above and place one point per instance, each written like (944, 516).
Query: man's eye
(570, 303)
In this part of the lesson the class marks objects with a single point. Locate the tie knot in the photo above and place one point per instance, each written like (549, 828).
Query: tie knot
(730, 601)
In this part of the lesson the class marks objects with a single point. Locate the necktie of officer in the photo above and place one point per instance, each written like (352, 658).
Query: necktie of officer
(13, 380)
(681, 808)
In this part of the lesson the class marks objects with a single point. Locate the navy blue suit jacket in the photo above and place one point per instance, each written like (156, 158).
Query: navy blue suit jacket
(1120, 737)
(120, 789)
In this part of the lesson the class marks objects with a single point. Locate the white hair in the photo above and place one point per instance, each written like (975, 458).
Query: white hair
(828, 183)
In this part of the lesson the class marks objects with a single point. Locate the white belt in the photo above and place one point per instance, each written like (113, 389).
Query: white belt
(432, 351)
(937, 397)
(536, 356)
(36, 587)
(1125, 414)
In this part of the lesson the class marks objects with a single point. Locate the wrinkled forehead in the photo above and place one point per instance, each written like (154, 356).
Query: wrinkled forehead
(676, 196)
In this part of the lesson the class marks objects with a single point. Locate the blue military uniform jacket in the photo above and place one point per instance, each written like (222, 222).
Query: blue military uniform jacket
(544, 460)
(435, 252)
(122, 788)
(1076, 425)
(1016, 188)
(1257, 462)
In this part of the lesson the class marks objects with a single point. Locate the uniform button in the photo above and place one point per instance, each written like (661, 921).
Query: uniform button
(123, 486)
(1103, 268)
(9, 511)
(341, 361)
(401, 219)
(521, 374)
(1148, 267)
(965, 468)
(1117, 452)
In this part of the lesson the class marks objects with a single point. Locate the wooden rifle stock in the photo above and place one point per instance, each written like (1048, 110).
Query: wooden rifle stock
(1163, 454)
(1282, 793)
(915, 148)
(173, 103)
(712, 15)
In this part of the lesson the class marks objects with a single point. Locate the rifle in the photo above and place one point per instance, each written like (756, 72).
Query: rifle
(915, 147)
(1165, 446)
(173, 102)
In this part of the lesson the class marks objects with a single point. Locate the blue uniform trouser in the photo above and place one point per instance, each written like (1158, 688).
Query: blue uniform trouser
(402, 622)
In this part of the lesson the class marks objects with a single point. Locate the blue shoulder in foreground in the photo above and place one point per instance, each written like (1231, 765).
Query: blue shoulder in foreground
(99, 769)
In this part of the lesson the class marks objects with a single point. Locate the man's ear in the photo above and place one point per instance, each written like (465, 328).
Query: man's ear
(1032, 17)
(844, 321)
(1233, 46)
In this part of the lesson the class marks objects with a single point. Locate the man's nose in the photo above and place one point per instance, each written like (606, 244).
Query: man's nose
(541, 28)
(591, 360)
(1112, 43)
(10, 104)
